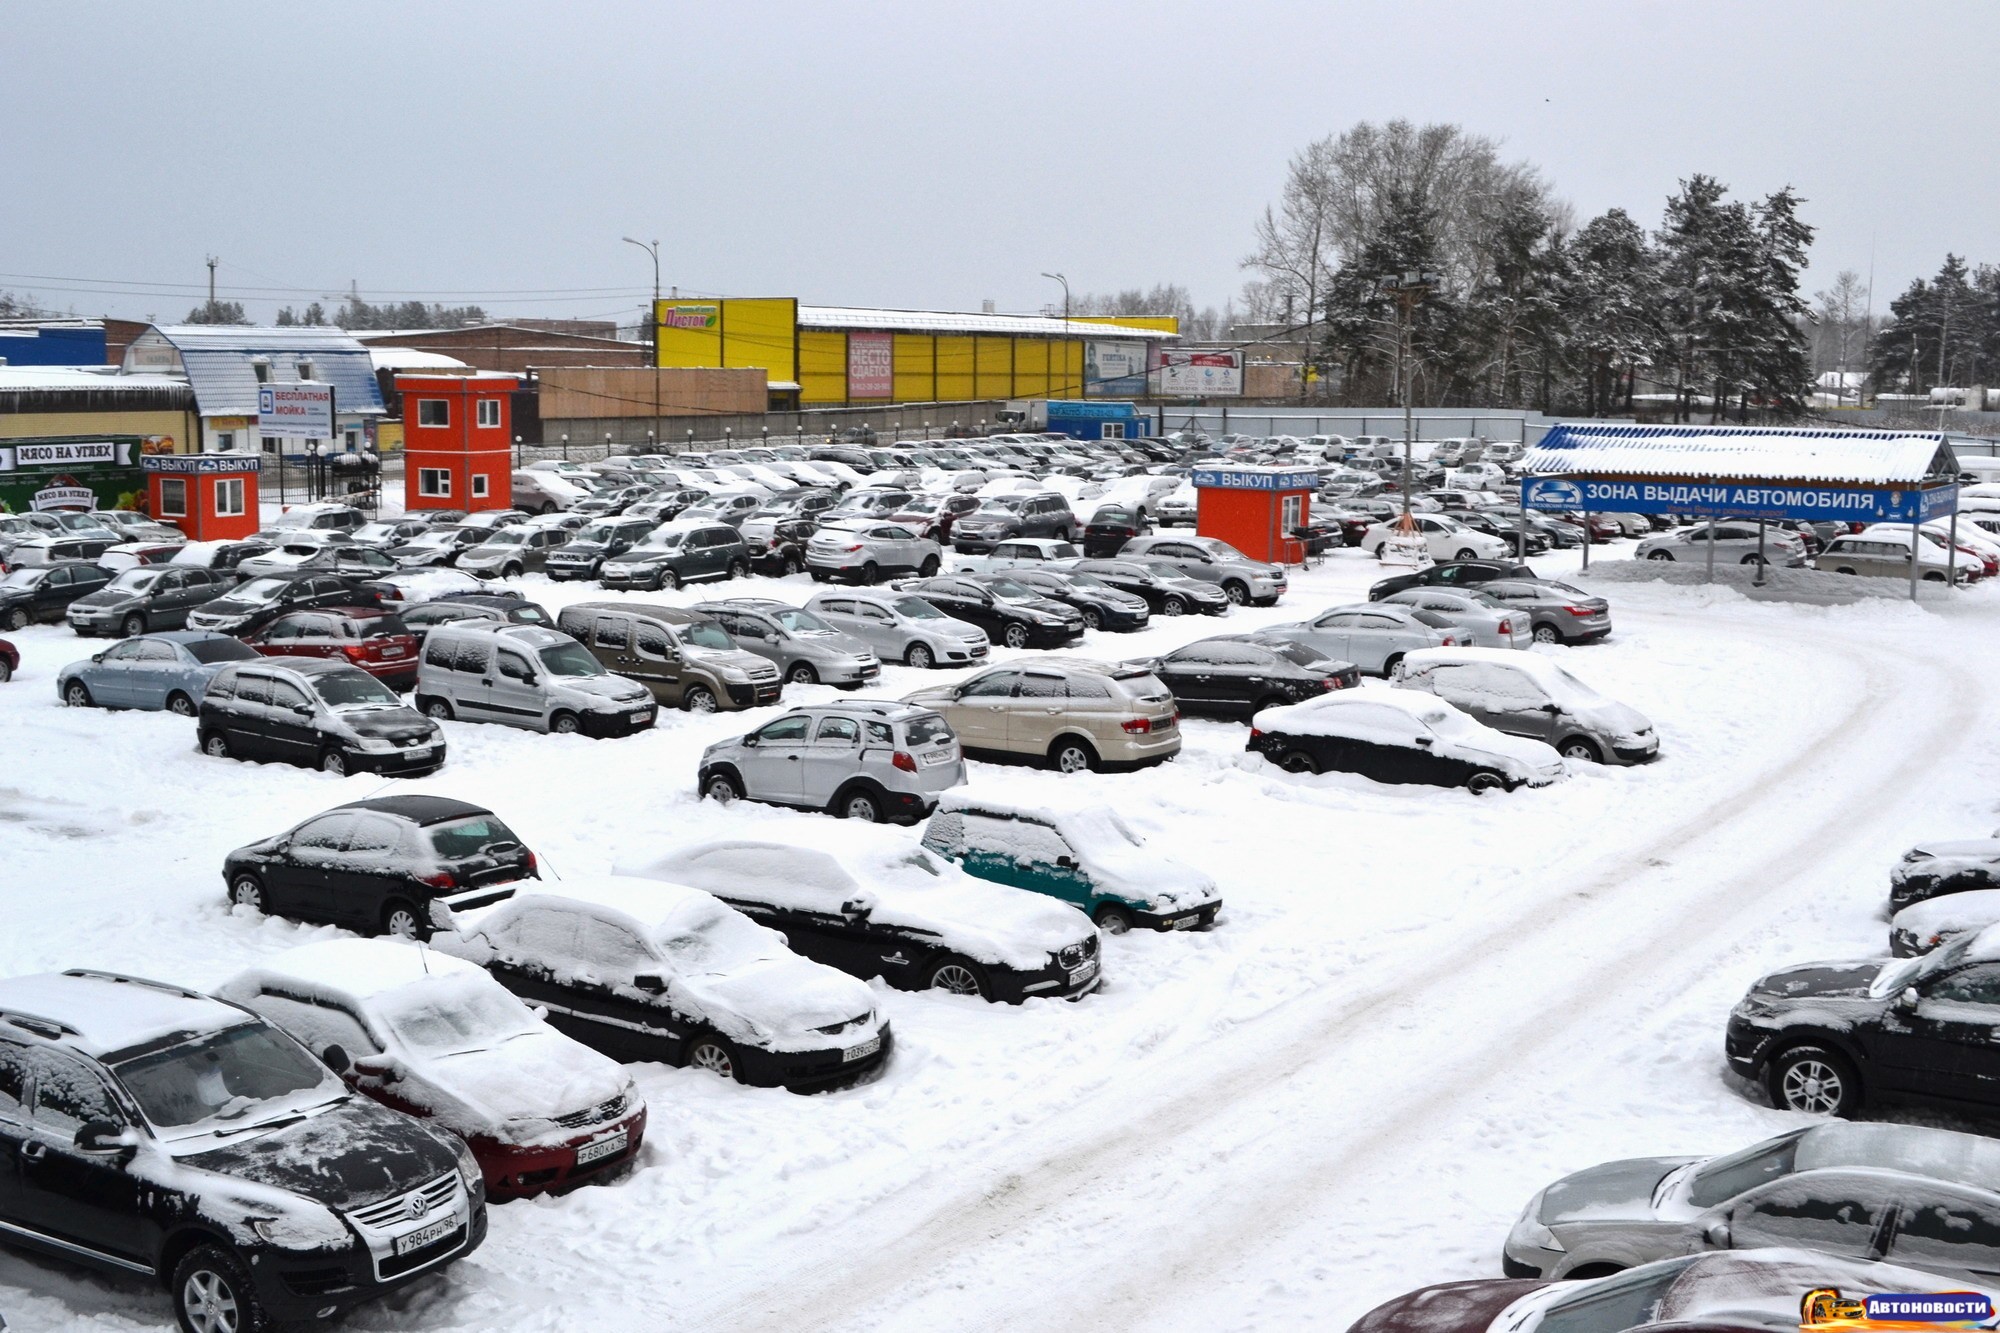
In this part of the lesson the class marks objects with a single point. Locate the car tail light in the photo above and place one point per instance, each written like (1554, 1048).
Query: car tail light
(355, 651)
(1137, 726)
(851, 549)
(1331, 682)
(1450, 641)
(1506, 627)
(904, 760)
(441, 880)
(534, 866)
(1256, 734)
(1581, 610)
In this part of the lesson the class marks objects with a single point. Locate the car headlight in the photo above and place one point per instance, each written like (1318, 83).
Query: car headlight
(375, 744)
(1530, 1232)
(734, 675)
(468, 1165)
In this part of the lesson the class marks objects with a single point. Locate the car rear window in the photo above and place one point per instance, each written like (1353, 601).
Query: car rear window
(474, 835)
(1431, 618)
(928, 731)
(219, 650)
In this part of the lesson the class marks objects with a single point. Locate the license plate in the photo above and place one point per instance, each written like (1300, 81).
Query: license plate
(1163, 724)
(430, 1235)
(1188, 922)
(869, 673)
(600, 1149)
(937, 757)
(861, 1052)
(1082, 974)
(393, 652)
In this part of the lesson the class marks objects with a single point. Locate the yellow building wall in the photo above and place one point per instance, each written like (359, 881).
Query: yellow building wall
(689, 333)
(1163, 323)
(822, 367)
(915, 368)
(763, 331)
(995, 378)
(178, 427)
(955, 367)
(1065, 370)
(1031, 368)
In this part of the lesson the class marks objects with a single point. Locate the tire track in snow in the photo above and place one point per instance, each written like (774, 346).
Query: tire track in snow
(1088, 1174)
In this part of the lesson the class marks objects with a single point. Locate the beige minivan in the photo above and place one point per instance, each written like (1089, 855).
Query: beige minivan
(1074, 714)
(684, 657)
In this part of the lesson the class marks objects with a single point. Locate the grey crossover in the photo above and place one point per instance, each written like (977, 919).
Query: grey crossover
(805, 649)
(1215, 561)
(873, 761)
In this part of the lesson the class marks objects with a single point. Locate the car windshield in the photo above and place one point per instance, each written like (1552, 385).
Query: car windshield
(436, 537)
(1160, 569)
(1726, 1177)
(1223, 550)
(666, 541)
(1622, 1302)
(927, 731)
(1009, 589)
(705, 634)
(705, 938)
(475, 835)
(508, 537)
(23, 578)
(473, 1013)
(571, 659)
(1296, 653)
(801, 621)
(354, 689)
(1086, 580)
(596, 532)
(1000, 506)
(230, 1076)
(260, 590)
(916, 608)
(528, 614)
(134, 580)
(209, 651)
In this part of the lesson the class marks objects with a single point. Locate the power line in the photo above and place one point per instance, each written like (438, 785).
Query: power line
(140, 286)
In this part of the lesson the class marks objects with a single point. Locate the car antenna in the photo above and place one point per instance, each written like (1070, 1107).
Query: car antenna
(425, 954)
(541, 859)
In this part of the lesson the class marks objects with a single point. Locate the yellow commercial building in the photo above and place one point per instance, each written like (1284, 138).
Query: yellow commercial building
(841, 356)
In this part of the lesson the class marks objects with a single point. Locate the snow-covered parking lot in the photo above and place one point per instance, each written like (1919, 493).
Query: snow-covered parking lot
(1419, 1005)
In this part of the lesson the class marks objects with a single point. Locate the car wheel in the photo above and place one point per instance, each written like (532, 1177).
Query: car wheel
(791, 566)
(722, 788)
(511, 572)
(1268, 701)
(871, 574)
(802, 673)
(1389, 665)
(76, 694)
(1933, 578)
(215, 745)
(1752, 559)
(435, 708)
(1483, 781)
(1015, 636)
(1660, 555)
(698, 699)
(738, 570)
(1112, 919)
(334, 762)
(1091, 619)
(712, 1054)
(958, 976)
(1173, 605)
(858, 803)
(1298, 761)
(669, 580)
(1237, 593)
(1467, 554)
(818, 577)
(401, 921)
(929, 567)
(1581, 747)
(1813, 1079)
(1547, 633)
(1843, 570)
(6, 672)
(919, 656)
(565, 724)
(213, 1293)
(1070, 755)
(247, 890)
(17, 619)
(548, 507)
(180, 705)
(132, 626)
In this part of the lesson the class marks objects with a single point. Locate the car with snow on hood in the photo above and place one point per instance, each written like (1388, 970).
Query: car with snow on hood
(883, 908)
(1400, 736)
(169, 671)
(316, 713)
(684, 657)
(184, 1139)
(641, 969)
(1526, 694)
(1935, 869)
(1934, 922)
(436, 1037)
(1088, 857)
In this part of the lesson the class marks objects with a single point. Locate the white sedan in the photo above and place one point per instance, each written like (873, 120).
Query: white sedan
(1445, 537)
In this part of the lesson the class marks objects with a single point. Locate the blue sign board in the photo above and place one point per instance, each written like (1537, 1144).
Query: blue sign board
(1068, 409)
(1736, 499)
(1253, 479)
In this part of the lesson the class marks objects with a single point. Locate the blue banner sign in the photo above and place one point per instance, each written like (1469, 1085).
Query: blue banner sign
(1252, 479)
(1739, 500)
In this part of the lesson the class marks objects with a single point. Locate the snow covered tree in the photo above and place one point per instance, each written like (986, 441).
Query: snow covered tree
(1610, 308)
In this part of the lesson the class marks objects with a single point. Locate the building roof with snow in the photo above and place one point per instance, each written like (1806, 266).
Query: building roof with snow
(942, 321)
(1764, 453)
(224, 363)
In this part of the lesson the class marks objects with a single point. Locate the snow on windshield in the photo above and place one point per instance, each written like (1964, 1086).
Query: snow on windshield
(801, 621)
(224, 1075)
(445, 1015)
(705, 938)
(916, 608)
(350, 689)
(571, 659)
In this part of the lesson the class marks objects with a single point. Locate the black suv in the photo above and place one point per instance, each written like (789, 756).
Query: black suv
(380, 864)
(316, 712)
(257, 602)
(1827, 1037)
(1003, 517)
(1234, 677)
(153, 1130)
(1010, 613)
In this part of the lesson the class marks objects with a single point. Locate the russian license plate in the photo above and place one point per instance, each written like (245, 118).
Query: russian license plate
(1163, 723)
(430, 1235)
(869, 673)
(599, 1149)
(1188, 922)
(1082, 974)
(861, 1052)
(393, 652)
(938, 757)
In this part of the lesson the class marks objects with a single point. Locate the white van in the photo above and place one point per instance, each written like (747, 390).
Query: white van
(525, 676)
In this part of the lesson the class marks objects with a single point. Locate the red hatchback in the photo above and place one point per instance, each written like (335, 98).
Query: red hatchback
(375, 640)
(10, 661)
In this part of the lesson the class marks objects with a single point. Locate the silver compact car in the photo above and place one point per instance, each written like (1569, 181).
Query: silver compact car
(806, 649)
(873, 761)
(903, 627)
(168, 671)
(1486, 622)
(867, 550)
(1373, 635)
(1556, 612)
(1527, 694)
(1213, 560)
(1734, 543)
(1901, 1193)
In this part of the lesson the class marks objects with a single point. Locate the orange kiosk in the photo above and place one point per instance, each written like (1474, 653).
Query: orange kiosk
(457, 445)
(1255, 509)
(210, 497)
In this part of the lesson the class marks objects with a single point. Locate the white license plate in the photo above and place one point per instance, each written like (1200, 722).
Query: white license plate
(1082, 974)
(869, 673)
(430, 1235)
(598, 1150)
(1163, 724)
(938, 757)
(393, 652)
(861, 1052)
(1186, 922)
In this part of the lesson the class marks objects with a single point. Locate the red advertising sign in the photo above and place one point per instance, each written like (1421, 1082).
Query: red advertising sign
(871, 365)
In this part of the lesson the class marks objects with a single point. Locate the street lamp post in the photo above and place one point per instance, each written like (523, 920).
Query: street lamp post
(653, 317)
(1057, 277)
(1408, 288)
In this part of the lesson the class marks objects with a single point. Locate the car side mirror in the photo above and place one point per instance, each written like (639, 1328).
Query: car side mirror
(303, 710)
(750, 742)
(99, 656)
(335, 1058)
(1066, 862)
(385, 1067)
(1552, 710)
(857, 908)
(1909, 998)
(1426, 742)
(1716, 1233)
(651, 983)
(101, 1138)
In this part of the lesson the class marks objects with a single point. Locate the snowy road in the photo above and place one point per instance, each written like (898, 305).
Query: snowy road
(1420, 1007)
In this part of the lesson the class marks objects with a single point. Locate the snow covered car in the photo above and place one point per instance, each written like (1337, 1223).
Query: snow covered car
(805, 649)
(1400, 736)
(315, 713)
(1734, 543)
(1485, 621)
(1089, 857)
(396, 864)
(1936, 922)
(886, 909)
(438, 1038)
(187, 1140)
(1525, 694)
(1211, 560)
(644, 970)
(1829, 1188)
(902, 627)
(168, 671)
(1020, 553)
(1825, 1038)
(1730, 1292)
(1934, 869)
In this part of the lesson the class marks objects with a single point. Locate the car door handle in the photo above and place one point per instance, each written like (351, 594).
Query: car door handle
(794, 758)
(1052, 711)
(33, 1152)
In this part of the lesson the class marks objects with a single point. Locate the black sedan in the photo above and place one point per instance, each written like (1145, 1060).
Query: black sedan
(1825, 1037)
(380, 864)
(1101, 605)
(1164, 588)
(1453, 574)
(44, 592)
(251, 605)
(1111, 527)
(1009, 612)
(1235, 677)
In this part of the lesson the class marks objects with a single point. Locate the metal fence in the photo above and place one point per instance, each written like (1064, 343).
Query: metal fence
(597, 437)
(1428, 424)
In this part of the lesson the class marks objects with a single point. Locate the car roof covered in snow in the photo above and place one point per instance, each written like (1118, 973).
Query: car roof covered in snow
(102, 1013)
(353, 968)
(647, 901)
(1532, 665)
(419, 809)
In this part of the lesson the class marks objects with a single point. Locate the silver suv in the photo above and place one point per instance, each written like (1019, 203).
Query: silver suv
(806, 649)
(865, 550)
(1213, 560)
(512, 551)
(875, 761)
(903, 627)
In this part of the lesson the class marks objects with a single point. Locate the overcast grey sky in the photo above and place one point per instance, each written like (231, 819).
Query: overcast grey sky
(917, 154)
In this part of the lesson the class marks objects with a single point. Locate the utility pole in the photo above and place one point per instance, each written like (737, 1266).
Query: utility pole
(212, 262)
(653, 322)
(1057, 277)
(1408, 289)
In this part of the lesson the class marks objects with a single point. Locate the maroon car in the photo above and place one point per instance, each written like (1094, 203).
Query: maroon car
(10, 661)
(375, 640)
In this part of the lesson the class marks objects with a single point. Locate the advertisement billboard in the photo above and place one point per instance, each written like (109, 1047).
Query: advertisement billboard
(1114, 369)
(300, 411)
(1740, 499)
(71, 472)
(1179, 373)
(871, 365)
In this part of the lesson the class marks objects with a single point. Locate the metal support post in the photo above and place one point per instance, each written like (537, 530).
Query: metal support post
(1915, 559)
